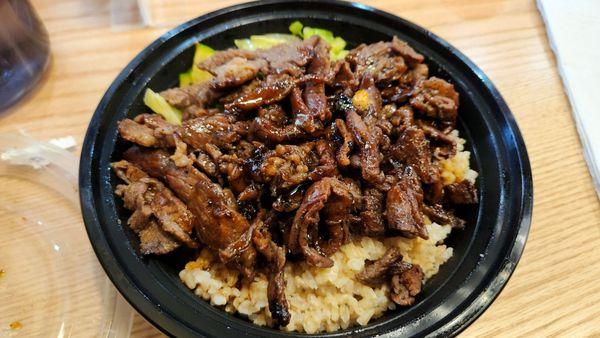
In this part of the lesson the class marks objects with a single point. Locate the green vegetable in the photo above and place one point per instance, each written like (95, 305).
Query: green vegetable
(307, 32)
(159, 105)
(264, 41)
(337, 43)
(334, 56)
(196, 75)
(202, 53)
(296, 28)
(185, 79)
(323, 33)
(275, 36)
(244, 44)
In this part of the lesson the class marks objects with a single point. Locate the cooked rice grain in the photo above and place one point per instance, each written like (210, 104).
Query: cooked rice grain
(319, 299)
(456, 168)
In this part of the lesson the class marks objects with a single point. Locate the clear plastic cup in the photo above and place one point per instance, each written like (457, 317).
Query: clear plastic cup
(24, 50)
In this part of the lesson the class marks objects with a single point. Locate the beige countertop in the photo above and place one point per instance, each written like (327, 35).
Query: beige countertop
(555, 289)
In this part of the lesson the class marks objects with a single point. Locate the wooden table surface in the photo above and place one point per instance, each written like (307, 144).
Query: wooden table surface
(555, 289)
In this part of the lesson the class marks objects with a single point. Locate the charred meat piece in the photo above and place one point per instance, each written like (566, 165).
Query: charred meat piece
(272, 125)
(199, 112)
(327, 166)
(371, 214)
(273, 89)
(161, 220)
(337, 214)
(367, 140)
(364, 56)
(236, 66)
(396, 94)
(401, 119)
(148, 130)
(407, 52)
(154, 240)
(275, 257)
(378, 272)
(164, 130)
(434, 133)
(376, 60)
(287, 166)
(236, 72)
(389, 69)
(385, 61)
(368, 101)
(222, 57)
(251, 193)
(232, 166)
(314, 91)
(243, 90)
(346, 143)
(403, 206)
(219, 225)
(289, 58)
(153, 131)
(437, 99)
(305, 118)
(413, 149)
(405, 279)
(279, 63)
(191, 98)
(205, 163)
(446, 144)
(463, 192)
(306, 222)
(290, 201)
(437, 214)
(232, 68)
(414, 76)
(218, 130)
(406, 285)
(137, 133)
(342, 76)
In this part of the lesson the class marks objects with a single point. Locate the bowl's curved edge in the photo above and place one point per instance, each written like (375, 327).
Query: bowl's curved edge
(502, 277)
(132, 293)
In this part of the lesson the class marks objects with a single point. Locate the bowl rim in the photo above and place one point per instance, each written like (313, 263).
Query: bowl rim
(158, 318)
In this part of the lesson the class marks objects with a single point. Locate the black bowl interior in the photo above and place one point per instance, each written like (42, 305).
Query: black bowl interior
(485, 252)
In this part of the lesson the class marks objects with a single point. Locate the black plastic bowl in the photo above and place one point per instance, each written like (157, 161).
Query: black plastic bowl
(485, 253)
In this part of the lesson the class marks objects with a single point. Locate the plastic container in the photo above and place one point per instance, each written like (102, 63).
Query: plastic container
(485, 252)
(51, 284)
(24, 50)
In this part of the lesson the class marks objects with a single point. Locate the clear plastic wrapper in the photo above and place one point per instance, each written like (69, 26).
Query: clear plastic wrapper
(51, 283)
